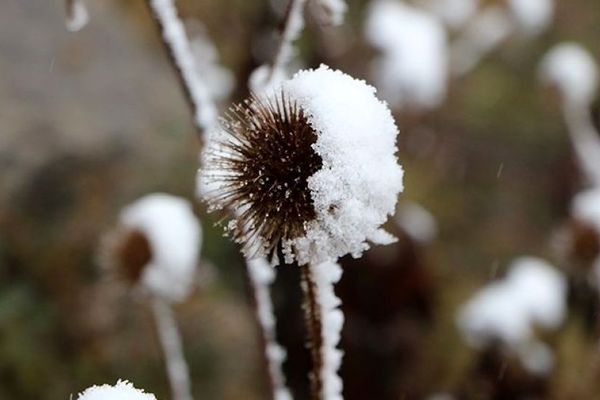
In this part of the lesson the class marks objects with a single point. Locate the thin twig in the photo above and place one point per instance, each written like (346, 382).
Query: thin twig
(585, 140)
(262, 276)
(314, 328)
(182, 58)
(170, 340)
(292, 27)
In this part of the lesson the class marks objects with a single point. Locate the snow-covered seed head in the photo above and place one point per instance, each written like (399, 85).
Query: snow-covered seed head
(122, 390)
(264, 168)
(307, 171)
(156, 246)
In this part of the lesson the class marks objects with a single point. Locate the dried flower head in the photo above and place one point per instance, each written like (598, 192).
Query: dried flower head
(307, 171)
(156, 245)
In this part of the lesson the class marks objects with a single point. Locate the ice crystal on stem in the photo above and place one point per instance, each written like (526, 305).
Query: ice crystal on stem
(122, 390)
(309, 170)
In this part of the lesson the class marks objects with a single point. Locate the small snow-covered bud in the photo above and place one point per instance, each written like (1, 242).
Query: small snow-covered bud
(122, 390)
(413, 66)
(533, 294)
(156, 245)
(573, 71)
(532, 16)
(455, 13)
(308, 170)
(77, 15)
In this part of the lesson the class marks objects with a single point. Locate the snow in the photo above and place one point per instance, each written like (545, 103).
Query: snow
(455, 13)
(585, 207)
(262, 275)
(480, 36)
(325, 276)
(333, 11)
(173, 31)
(532, 16)
(416, 222)
(537, 358)
(412, 68)
(122, 390)
(573, 71)
(266, 76)
(360, 179)
(219, 80)
(532, 295)
(174, 235)
(77, 15)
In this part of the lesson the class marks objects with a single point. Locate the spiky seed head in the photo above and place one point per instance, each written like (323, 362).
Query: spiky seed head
(260, 170)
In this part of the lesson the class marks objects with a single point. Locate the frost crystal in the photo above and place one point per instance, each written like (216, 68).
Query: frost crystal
(122, 390)
(413, 67)
(174, 236)
(309, 169)
(574, 72)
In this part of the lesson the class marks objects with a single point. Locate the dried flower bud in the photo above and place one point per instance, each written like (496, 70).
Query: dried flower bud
(308, 170)
(156, 245)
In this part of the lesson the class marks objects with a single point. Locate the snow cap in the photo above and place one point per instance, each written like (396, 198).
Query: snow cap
(174, 235)
(122, 390)
(586, 207)
(532, 16)
(413, 67)
(310, 166)
(533, 294)
(573, 71)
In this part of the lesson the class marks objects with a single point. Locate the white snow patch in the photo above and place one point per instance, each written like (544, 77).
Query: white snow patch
(173, 31)
(356, 189)
(122, 390)
(262, 276)
(585, 207)
(455, 13)
(219, 80)
(573, 71)
(416, 221)
(77, 15)
(533, 294)
(537, 358)
(532, 16)
(481, 35)
(412, 69)
(332, 319)
(174, 235)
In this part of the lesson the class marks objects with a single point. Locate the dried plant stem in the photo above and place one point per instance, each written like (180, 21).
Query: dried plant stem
(180, 53)
(170, 340)
(314, 329)
(262, 276)
(585, 140)
(292, 26)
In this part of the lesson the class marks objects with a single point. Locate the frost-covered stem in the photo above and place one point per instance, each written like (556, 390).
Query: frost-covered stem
(182, 58)
(314, 328)
(170, 340)
(293, 24)
(585, 140)
(262, 275)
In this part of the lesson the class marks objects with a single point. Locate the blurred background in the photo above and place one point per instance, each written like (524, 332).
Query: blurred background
(92, 120)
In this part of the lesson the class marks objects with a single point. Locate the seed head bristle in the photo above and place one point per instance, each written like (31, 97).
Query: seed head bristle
(260, 172)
